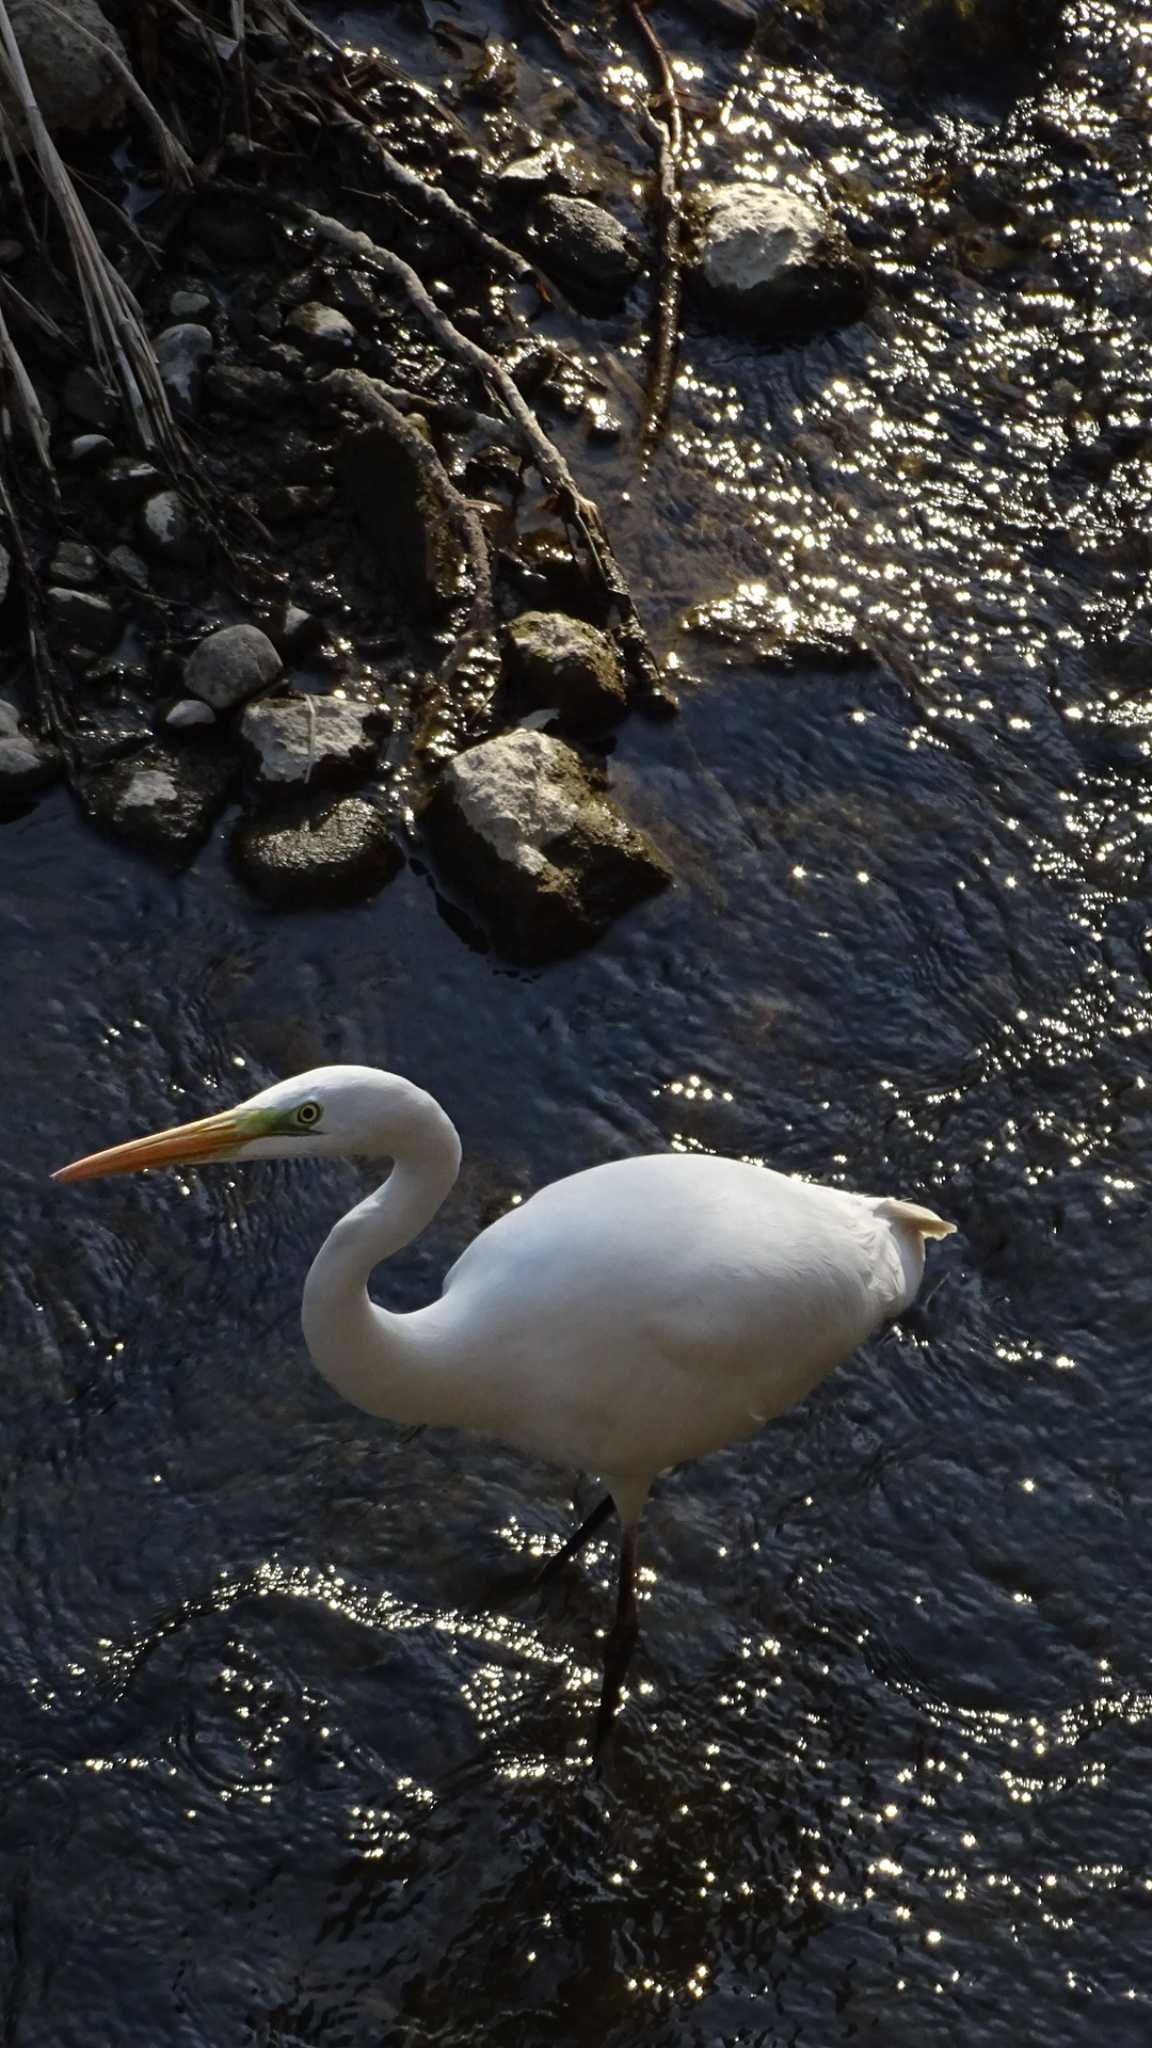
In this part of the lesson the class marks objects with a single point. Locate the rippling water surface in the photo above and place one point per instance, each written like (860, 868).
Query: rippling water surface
(288, 1757)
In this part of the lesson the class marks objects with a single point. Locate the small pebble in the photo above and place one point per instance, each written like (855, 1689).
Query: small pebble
(190, 711)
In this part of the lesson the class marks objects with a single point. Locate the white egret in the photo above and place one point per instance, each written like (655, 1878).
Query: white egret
(621, 1321)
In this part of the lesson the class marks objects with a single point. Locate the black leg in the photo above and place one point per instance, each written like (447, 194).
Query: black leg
(576, 1541)
(620, 1644)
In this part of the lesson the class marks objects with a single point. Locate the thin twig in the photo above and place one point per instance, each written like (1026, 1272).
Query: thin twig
(577, 510)
(369, 398)
(668, 134)
(433, 202)
(116, 328)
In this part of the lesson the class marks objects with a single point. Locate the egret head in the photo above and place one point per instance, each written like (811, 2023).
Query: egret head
(329, 1113)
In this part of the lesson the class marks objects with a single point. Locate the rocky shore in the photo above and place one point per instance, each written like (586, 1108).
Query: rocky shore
(331, 581)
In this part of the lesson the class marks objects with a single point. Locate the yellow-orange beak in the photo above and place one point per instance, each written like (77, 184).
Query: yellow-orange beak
(213, 1137)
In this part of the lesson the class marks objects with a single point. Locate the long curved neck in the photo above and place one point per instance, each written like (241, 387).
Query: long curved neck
(369, 1356)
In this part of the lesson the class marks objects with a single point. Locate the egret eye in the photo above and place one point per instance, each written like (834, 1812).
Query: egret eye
(308, 1114)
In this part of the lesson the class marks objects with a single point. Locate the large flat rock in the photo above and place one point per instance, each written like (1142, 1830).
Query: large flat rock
(524, 826)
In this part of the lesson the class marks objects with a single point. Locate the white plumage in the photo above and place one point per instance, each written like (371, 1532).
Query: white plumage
(621, 1321)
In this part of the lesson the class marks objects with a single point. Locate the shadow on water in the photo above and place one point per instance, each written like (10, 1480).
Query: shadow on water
(279, 1767)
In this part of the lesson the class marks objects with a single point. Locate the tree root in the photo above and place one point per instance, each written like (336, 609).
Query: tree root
(668, 136)
(578, 512)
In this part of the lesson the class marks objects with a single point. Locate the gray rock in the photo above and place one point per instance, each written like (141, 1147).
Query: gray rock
(9, 719)
(26, 765)
(294, 742)
(295, 631)
(522, 824)
(340, 854)
(127, 564)
(87, 397)
(5, 571)
(189, 712)
(74, 564)
(165, 801)
(76, 87)
(181, 353)
(191, 305)
(555, 660)
(386, 477)
(774, 262)
(231, 665)
(322, 331)
(167, 531)
(128, 480)
(84, 619)
(87, 451)
(247, 389)
(527, 177)
(586, 245)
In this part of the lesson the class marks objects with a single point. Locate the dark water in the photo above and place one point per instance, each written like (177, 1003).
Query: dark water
(271, 1776)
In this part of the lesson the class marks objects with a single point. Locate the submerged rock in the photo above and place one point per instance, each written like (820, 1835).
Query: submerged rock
(775, 262)
(168, 532)
(181, 353)
(556, 660)
(525, 827)
(77, 89)
(83, 619)
(87, 451)
(387, 479)
(26, 764)
(586, 245)
(75, 565)
(340, 854)
(231, 665)
(296, 741)
(188, 713)
(165, 801)
(323, 332)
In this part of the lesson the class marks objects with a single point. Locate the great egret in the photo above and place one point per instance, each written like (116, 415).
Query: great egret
(622, 1320)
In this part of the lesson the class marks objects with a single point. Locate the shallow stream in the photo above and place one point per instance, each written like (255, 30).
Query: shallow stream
(272, 1771)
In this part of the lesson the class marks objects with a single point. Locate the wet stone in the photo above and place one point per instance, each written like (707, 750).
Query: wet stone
(247, 389)
(323, 332)
(188, 713)
(407, 520)
(339, 854)
(128, 480)
(75, 565)
(586, 245)
(167, 802)
(189, 305)
(295, 631)
(231, 665)
(554, 660)
(529, 177)
(127, 563)
(26, 764)
(773, 261)
(293, 742)
(85, 620)
(87, 451)
(168, 532)
(525, 828)
(181, 353)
